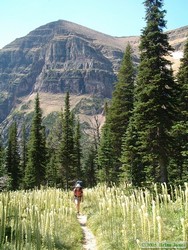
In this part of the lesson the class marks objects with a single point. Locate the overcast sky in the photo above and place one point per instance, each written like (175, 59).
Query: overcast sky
(112, 17)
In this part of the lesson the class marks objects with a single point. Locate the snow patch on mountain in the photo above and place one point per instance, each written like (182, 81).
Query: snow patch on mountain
(177, 54)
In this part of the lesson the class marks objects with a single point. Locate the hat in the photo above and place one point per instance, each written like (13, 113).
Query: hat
(78, 185)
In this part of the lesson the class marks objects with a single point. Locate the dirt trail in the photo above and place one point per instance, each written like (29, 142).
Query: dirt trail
(89, 238)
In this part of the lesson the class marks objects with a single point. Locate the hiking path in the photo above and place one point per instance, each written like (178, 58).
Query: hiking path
(89, 239)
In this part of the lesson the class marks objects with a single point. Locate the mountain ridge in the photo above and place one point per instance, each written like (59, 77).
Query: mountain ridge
(63, 56)
(70, 27)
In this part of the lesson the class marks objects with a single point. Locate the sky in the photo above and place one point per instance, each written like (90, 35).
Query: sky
(112, 17)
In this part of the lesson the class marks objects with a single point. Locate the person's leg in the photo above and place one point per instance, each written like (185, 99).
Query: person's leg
(78, 206)
(77, 203)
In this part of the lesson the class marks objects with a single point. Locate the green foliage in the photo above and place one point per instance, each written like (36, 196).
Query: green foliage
(117, 120)
(53, 174)
(23, 155)
(89, 166)
(89, 106)
(179, 161)
(26, 105)
(122, 101)
(66, 154)
(52, 170)
(35, 168)
(77, 151)
(156, 96)
(106, 169)
(64, 149)
(49, 120)
(12, 159)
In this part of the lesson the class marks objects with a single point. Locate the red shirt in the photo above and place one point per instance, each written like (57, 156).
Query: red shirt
(78, 192)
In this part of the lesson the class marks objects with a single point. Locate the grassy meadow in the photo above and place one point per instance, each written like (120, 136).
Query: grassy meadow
(125, 218)
(43, 219)
(120, 217)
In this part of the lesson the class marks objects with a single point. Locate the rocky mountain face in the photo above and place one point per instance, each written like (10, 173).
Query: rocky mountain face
(62, 56)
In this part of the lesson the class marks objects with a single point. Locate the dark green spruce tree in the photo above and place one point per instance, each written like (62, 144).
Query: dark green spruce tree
(105, 157)
(36, 164)
(66, 156)
(179, 163)
(12, 158)
(53, 172)
(23, 155)
(155, 106)
(3, 172)
(118, 117)
(106, 162)
(77, 151)
(90, 166)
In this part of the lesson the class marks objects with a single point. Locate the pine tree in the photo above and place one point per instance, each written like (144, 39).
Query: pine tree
(121, 107)
(23, 155)
(90, 167)
(104, 152)
(67, 147)
(53, 171)
(3, 174)
(132, 169)
(77, 151)
(55, 134)
(106, 170)
(12, 159)
(155, 106)
(35, 168)
(180, 129)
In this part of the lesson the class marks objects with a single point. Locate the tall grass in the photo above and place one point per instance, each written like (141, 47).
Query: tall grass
(40, 219)
(123, 218)
(120, 217)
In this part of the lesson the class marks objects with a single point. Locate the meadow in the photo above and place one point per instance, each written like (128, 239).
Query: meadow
(127, 218)
(39, 219)
(120, 217)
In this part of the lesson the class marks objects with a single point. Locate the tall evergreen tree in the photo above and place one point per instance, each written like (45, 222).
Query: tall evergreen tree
(105, 157)
(12, 159)
(118, 115)
(67, 147)
(36, 164)
(90, 166)
(23, 155)
(106, 171)
(3, 173)
(179, 162)
(122, 101)
(77, 151)
(53, 171)
(155, 106)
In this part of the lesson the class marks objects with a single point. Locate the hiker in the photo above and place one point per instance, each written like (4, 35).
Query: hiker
(78, 196)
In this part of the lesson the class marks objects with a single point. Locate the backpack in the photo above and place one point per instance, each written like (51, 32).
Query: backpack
(78, 192)
(79, 182)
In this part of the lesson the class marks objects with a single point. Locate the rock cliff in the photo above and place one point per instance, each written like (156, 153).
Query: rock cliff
(62, 56)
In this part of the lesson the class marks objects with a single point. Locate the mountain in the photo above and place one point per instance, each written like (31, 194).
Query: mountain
(63, 56)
